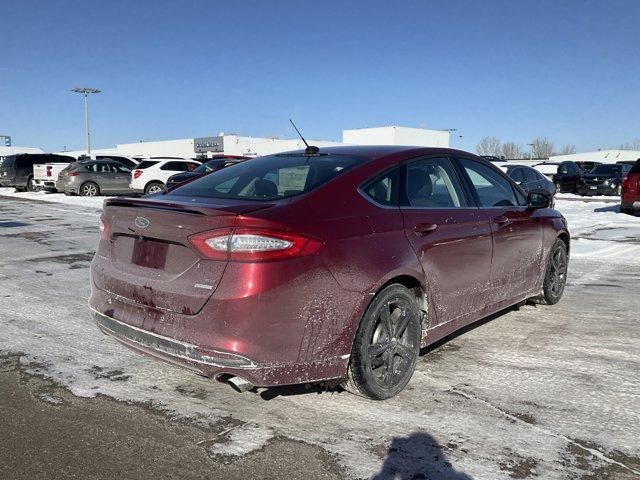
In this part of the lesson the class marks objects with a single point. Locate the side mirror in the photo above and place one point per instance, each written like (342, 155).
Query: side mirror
(538, 200)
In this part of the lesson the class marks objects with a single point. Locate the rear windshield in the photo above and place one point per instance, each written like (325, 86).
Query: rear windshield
(269, 178)
(146, 164)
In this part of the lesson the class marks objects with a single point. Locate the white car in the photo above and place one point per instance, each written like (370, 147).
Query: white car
(151, 175)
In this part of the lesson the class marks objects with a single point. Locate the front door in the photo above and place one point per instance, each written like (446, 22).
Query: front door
(451, 237)
(517, 232)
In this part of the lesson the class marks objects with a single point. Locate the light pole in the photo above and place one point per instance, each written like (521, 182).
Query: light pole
(85, 92)
(530, 151)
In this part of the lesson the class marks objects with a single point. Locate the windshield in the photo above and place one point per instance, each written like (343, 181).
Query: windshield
(607, 169)
(269, 178)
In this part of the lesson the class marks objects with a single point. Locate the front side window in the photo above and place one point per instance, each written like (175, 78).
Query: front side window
(517, 175)
(270, 177)
(492, 188)
(530, 175)
(432, 183)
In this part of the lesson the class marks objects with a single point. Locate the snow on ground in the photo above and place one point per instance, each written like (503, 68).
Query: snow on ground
(91, 202)
(526, 390)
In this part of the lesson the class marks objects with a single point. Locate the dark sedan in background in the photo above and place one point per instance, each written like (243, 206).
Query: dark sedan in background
(216, 163)
(529, 178)
(604, 179)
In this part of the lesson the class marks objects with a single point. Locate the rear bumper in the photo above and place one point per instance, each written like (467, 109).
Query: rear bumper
(161, 346)
(598, 190)
(630, 204)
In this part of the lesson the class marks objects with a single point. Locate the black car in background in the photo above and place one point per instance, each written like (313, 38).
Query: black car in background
(529, 178)
(565, 175)
(604, 179)
(586, 166)
(17, 170)
(214, 164)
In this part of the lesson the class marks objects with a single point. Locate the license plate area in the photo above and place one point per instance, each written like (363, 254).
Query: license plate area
(149, 253)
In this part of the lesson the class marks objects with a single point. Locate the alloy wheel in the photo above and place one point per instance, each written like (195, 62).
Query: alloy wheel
(558, 272)
(392, 351)
(89, 190)
(154, 189)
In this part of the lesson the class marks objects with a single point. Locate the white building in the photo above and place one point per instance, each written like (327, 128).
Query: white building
(603, 156)
(4, 151)
(394, 135)
(231, 144)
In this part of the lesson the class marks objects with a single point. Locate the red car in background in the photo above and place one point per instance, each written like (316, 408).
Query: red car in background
(333, 265)
(630, 197)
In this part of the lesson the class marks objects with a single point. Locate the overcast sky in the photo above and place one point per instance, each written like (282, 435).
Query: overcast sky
(568, 70)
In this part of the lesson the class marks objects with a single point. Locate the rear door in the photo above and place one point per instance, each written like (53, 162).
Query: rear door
(517, 231)
(122, 174)
(450, 235)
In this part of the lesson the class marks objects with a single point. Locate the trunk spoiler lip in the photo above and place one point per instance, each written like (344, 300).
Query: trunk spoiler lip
(186, 206)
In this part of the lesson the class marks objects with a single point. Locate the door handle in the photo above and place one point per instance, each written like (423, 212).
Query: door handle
(501, 220)
(421, 229)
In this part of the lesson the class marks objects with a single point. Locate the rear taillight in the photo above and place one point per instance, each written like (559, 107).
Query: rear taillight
(72, 174)
(253, 244)
(49, 171)
(137, 173)
(104, 230)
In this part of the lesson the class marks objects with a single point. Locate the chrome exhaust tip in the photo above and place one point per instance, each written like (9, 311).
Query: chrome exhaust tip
(240, 384)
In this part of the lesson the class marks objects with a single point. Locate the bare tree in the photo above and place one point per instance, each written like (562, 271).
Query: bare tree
(567, 150)
(542, 147)
(634, 145)
(489, 146)
(511, 150)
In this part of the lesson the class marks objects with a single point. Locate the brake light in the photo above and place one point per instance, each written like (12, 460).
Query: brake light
(253, 244)
(137, 173)
(631, 184)
(48, 170)
(72, 174)
(104, 230)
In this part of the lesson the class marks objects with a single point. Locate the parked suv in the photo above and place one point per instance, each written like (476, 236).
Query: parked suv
(565, 175)
(94, 177)
(630, 198)
(126, 161)
(17, 170)
(151, 176)
(604, 179)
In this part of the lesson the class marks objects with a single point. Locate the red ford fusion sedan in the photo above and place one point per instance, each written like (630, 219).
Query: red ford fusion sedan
(331, 265)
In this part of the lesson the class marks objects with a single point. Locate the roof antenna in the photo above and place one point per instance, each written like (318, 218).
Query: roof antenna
(311, 149)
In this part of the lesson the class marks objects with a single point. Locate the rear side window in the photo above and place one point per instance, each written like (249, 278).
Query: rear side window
(432, 183)
(269, 178)
(517, 175)
(530, 175)
(492, 188)
(178, 166)
(146, 164)
(384, 190)
(8, 161)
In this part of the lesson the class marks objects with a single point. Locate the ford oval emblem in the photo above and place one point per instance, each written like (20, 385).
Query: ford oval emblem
(141, 222)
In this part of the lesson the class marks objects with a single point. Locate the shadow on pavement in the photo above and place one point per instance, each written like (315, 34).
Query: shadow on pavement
(416, 457)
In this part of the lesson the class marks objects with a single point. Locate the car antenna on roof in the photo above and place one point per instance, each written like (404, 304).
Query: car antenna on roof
(311, 149)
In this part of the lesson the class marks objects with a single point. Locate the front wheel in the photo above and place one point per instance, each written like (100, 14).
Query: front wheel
(386, 346)
(31, 185)
(556, 275)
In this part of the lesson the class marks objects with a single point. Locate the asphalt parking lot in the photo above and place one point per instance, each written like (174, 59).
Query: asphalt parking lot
(539, 392)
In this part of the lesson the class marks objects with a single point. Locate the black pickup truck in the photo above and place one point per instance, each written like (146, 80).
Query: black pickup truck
(17, 170)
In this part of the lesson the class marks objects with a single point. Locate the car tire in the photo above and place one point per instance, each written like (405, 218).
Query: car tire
(558, 187)
(555, 277)
(153, 187)
(19, 189)
(89, 189)
(619, 191)
(386, 346)
(31, 186)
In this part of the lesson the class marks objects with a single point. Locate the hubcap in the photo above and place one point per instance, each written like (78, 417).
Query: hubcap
(90, 190)
(558, 271)
(155, 189)
(391, 352)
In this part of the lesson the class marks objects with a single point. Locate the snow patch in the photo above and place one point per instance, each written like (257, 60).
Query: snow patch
(241, 440)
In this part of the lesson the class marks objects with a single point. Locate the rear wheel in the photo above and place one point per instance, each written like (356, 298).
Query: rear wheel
(153, 188)
(558, 187)
(386, 346)
(31, 186)
(89, 189)
(556, 275)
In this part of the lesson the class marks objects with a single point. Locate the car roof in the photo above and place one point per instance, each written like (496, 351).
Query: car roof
(373, 152)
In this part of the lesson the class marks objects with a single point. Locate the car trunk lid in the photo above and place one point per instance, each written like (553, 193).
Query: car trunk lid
(148, 258)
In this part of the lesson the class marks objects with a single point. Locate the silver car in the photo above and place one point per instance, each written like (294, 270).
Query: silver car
(94, 177)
